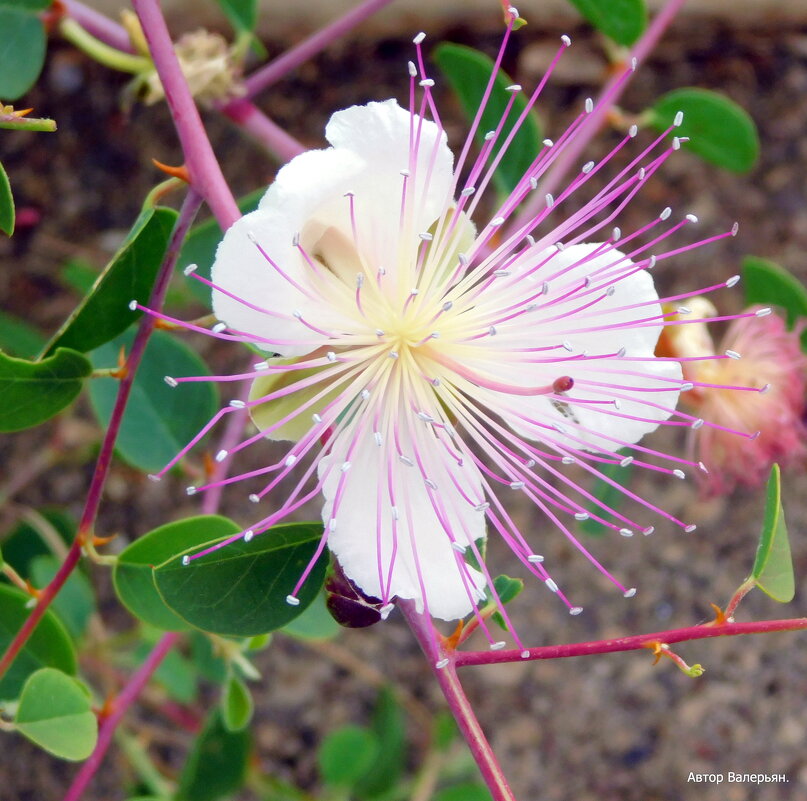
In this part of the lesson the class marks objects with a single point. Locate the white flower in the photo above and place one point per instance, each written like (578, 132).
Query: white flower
(424, 368)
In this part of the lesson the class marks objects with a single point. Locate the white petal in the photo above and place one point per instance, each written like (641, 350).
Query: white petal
(363, 523)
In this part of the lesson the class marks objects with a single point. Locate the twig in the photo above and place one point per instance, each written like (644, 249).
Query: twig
(702, 632)
(206, 176)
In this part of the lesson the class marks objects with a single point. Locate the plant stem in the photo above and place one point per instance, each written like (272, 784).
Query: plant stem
(265, 76)
(463, 658)
(263, 129)
(458, 702)
(186, 215)
(590, 127)
(14, 122)
(206, 176)
(99, 25)
(123, 701)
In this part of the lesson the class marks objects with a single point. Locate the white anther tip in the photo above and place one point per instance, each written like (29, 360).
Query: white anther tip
(221, 455)
(186, 560)
(190, 269)
(648, 531)
(292, 600)
(732, 354)
(132, 305)
(629, 593)
(525, 654)
(575, 610)
(762, 312)
(678, 119)
(733, 281)
(551, 584)
(679, 474)
(589, 105)
(535, 558)
(248, 535)
(567, 40)
(172, 382)
(442, 663)
(153, 477)
(497, 646)
(689, 529)
(626, 532)
(253, 498)
(190, 490)
(692, 218)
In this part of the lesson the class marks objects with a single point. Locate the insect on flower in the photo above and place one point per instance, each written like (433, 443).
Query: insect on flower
(429, 361)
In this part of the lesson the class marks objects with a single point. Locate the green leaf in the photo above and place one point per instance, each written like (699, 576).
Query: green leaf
(75, 602)
(236, 704)
(132, 575)
(316, 623)
(29, 5)
(19, 338)
(623, 21)
(32, 392)
(463, 792)
(159, 420)
(720, 132)
(217, 764)
(22, 51)
(773, 567)
(104, 313)
(240, 590)
(468, 71)
(200, 246)
(507, 589)
(78, 275)
(6, 204)
(48, 646)
(767, 283)
(346, 754)
(55, 713)
(210, 665)
(242, 14)
(607, 494)
(389, 726)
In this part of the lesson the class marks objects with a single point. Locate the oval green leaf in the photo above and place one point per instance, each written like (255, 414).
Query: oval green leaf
(48, 646)
(6, 204)
(32, 392)
(468, 72)
(159, 420)
(236, 704)
(719, 131)
(55, 713)
(104, 313)
(346, 755)
(132, 575)
(22, 51)
(773, 567)
(240, 590)
(217, 764)
(623, 21)
(767, 283)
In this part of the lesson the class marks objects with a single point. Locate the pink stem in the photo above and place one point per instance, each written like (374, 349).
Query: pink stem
(272, 72)
(249, 117)
(634, 643)
(204, 169)
(122, 702)
(591, 125)
(458, 703)
(99, 25)
(188, 212)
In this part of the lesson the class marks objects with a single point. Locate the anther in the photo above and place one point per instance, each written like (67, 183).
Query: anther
(762, 312)
(626, 532)
(735, 228)
(525, 654)
(566, 40)
(581, 516)
(377, 438)
(290, 460)
(589, 105)
(419, 38)
(568, 460)
(427, 82)
(535, 558)
(332, 524)
(413, 70)
(633, 131)
(248, 535)
(344, 467)
(497, 646)
(567, 345)
(405, 460)
(365, 394)
(648, 531)
(696, 424)
(678, 119)
(676, 143)
(514, 87)
(330, 356)
(191, 490)
(575, 610)
(517, 485)
(253, 498)
(154, 478)
(545, 288)
(764, 388)
(459, 547)
(634, 63)
(489, 135)
(733, 281)
(609, 290)
(172, 382)
(395, 513)
(533, 182)
(497, 221)
(468, 191)
(316, 418)
(732, 354)
(641, 174)
(426, 236)
(626, 461)
(482, 507)
(237, 404)
(190, 269)
(186, 560)
(587, 167)
(448, 305)
(690, 528)
(692, 218)
(551, 584)
(440, 664)
(616, 234)
(260, 366)
(550, 201)
(629, 593)
(683, 310)
(295, 240)
(529, 463)
(292, 600)
(132, 305)
(430, 484)
(221, 455)
(679, 474)
(665, 215)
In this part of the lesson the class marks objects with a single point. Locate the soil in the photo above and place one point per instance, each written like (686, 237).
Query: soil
(613, 727)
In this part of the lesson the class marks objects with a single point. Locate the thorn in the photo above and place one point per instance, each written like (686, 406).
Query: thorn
(180, 172)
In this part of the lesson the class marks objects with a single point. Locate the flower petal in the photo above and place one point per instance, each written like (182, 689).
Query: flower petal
(389, 548)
